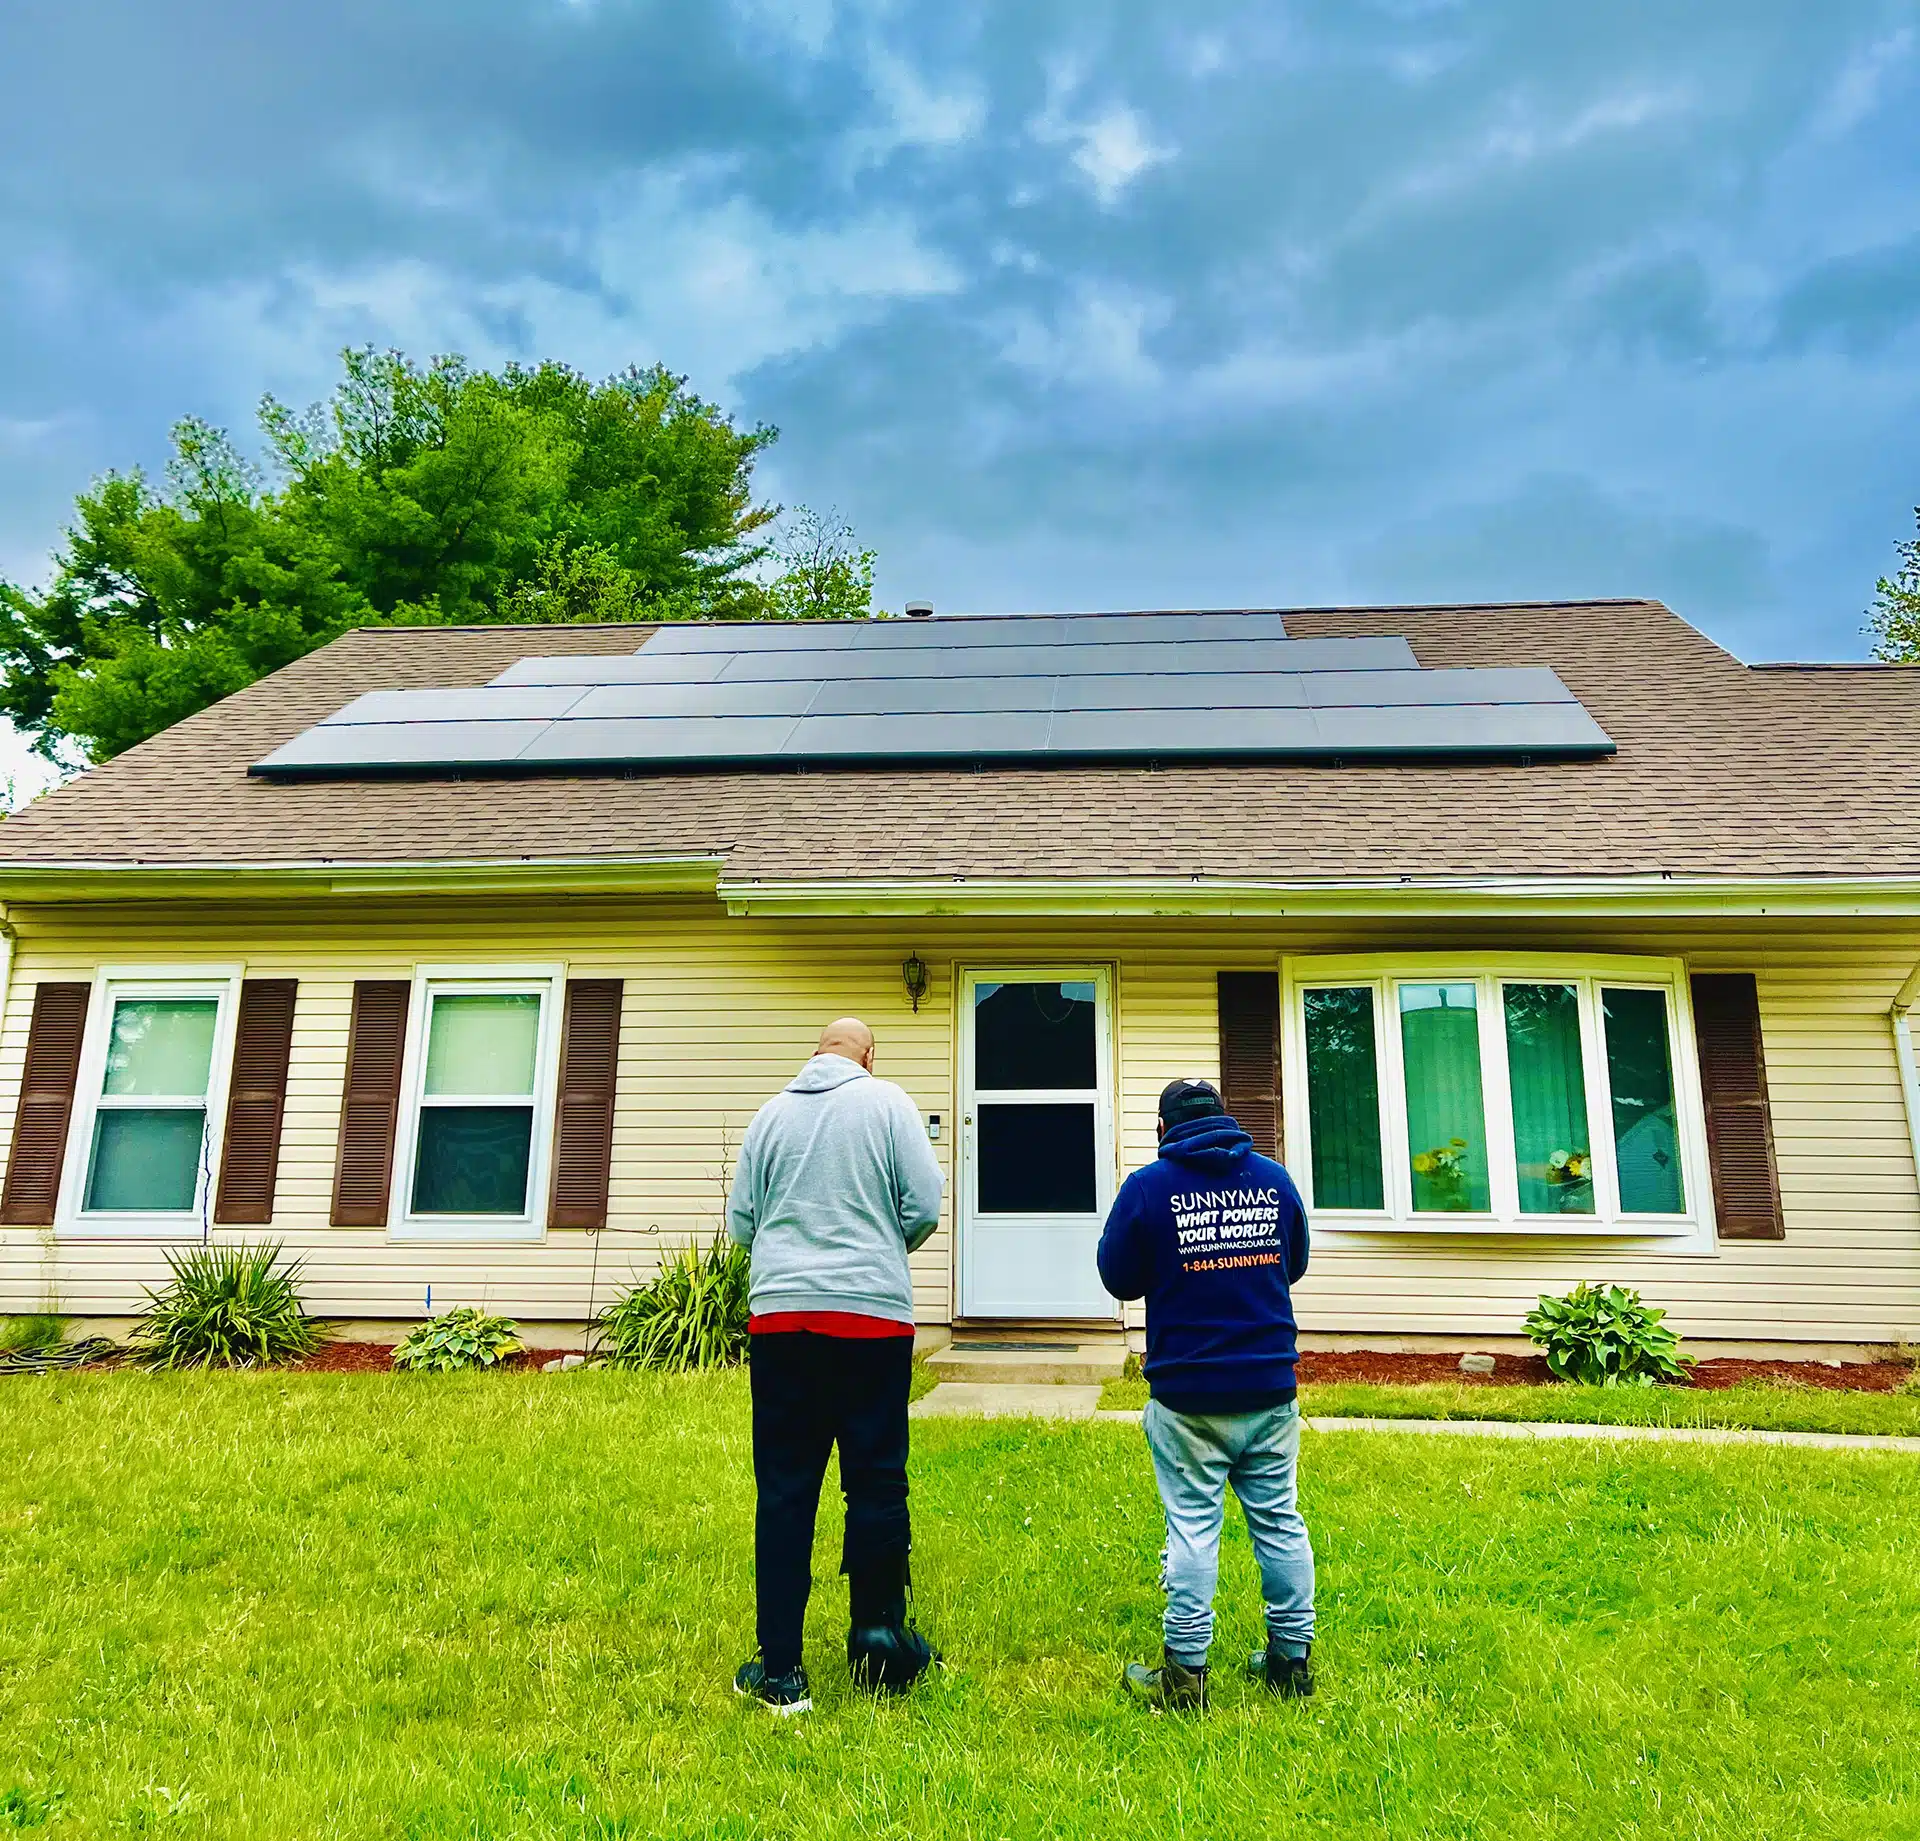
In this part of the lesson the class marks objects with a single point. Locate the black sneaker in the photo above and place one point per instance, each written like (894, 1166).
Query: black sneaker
(888, 1658)
(1170, 1688)
(779, 1694)
(1288, 1676)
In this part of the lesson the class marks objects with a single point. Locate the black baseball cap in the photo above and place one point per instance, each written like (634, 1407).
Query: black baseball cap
(1181, 1100)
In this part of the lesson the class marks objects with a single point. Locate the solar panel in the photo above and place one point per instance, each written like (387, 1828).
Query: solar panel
(791, 698)
(1052, 688)
(975, 630)
(986, 648)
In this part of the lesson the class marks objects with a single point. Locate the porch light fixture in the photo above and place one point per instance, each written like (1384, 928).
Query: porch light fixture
(913, 974)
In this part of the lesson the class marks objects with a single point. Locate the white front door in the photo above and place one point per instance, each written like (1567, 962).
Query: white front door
(1036, 1124)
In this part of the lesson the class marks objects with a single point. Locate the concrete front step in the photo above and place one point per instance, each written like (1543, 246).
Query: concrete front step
(1069, 1365)
(965, 1400)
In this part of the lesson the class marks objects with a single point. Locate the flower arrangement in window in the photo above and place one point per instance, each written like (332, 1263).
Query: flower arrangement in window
(1444, 1171)
(1569, 1174)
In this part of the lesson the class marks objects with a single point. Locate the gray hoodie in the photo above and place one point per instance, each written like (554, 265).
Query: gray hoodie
(836, 1185)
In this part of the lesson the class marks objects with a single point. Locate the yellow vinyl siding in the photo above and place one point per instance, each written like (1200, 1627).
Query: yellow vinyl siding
(719, 1012)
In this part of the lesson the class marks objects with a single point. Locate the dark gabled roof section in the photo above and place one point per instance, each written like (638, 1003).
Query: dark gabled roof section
(1722, 770)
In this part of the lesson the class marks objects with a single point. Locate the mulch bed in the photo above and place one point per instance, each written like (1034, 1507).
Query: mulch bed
(1330, 1365)
(377, 1358)
(1325, 1366)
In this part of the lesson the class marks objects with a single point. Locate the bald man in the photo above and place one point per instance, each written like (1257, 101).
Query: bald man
(836, 1185)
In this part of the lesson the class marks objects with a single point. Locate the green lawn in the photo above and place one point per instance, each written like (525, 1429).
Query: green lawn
(1779, 1409)
(508, 1606)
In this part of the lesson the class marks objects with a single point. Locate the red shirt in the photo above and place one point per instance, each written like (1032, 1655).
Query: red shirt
(827, 1323)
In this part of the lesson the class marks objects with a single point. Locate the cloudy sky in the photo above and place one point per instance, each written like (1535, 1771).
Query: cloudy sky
(1062, 305)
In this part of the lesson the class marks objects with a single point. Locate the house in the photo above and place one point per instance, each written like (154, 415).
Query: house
(1547, 942)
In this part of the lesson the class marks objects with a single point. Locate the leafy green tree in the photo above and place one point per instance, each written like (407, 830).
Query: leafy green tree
(1894, 618)
(414, 495)
(824, 574)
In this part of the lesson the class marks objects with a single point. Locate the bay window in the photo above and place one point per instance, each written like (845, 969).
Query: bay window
(477, 1126)
(1531, 1093)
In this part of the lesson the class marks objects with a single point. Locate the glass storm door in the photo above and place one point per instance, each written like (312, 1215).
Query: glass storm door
(1037, 1123)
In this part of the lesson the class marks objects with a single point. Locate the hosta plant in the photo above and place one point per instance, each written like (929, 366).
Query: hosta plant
(1604, 1336)
(226, 1307)
(691, 1314)
(465, 1338)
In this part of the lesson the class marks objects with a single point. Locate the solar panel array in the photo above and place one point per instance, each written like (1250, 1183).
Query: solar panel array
(1065, 687)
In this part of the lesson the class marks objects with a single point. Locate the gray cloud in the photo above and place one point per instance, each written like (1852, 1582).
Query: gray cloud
(1160, 304)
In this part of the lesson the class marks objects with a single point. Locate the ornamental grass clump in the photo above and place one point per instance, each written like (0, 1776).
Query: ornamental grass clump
(1604, 1336)
(465, 1338)
(691, 1314)
(31, 1335)
(227, 1307)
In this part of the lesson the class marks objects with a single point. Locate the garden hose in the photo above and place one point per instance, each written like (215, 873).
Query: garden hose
(58, 1355)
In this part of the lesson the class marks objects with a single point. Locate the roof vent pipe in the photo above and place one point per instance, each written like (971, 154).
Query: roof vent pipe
(919, 610)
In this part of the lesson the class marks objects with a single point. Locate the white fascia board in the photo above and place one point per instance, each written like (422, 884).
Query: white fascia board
(106, 881)
(1666, 896)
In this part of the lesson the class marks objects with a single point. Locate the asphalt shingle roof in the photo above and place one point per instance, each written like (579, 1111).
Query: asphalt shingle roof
(1723, 770)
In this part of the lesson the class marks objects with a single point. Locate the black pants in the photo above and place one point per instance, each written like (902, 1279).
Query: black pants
(810, 1393)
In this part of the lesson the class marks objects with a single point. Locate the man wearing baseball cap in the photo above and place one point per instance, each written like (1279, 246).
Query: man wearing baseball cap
(1213, 1236)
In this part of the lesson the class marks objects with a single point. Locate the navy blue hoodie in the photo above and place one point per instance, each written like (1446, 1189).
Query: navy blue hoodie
(1212, 1235)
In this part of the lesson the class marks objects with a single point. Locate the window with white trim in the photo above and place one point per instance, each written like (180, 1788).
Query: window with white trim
(147, 1117)
(1534, 1094)
(477, 1129)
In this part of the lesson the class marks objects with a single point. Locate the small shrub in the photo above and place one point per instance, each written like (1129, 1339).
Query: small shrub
(691, 1314)
(227, 1307)
(31, 1335)
(465, 1338)
(1604, 1336)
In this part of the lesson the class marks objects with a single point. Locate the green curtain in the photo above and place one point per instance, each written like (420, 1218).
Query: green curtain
(1549, 1089)
(1646, 1139)
(1343, 1099)
(1446, 1113)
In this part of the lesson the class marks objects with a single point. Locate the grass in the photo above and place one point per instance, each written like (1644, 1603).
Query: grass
(21, 1335)
(1777, 1409)
(496, 1606)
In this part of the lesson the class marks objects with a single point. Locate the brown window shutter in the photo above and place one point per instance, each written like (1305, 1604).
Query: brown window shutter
(370, 1106)
(1250, 1055)
(39, 1147)
(583, 1115)
(256, 1099)
(1733, 1083)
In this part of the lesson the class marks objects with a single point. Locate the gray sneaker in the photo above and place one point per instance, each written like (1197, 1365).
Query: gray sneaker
(1288, 1676)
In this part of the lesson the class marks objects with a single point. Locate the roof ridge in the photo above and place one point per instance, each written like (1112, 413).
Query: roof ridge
(1593, 602)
